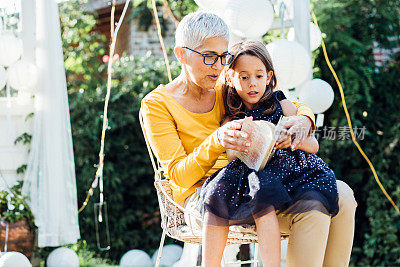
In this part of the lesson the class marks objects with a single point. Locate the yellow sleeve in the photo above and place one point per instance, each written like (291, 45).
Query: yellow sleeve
(182, 168)
(303, 109)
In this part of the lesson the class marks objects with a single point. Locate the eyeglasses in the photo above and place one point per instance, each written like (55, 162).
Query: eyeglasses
(210, 59)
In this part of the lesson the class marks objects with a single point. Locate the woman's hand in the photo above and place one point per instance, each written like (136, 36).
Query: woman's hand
(230, 136)
(298, 127)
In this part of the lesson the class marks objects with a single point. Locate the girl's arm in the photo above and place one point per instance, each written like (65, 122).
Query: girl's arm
(310, 143)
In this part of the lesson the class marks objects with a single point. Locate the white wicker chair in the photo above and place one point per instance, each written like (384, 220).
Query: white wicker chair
(172, 215)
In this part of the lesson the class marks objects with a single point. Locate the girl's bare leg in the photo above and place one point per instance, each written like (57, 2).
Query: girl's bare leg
(214, 241)
(269, 239)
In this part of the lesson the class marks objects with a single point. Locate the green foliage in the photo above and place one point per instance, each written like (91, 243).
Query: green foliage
(350, 28)
(143, 12)
(128, 176)
(25, 138)
(144, 15)
(13, 205)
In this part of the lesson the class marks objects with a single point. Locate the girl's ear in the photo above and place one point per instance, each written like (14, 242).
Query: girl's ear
(180, 55)
(269, 76)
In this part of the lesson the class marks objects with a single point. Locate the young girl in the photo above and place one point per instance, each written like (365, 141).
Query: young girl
(291, 182)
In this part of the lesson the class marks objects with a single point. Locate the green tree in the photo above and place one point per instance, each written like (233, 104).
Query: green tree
(351, 27)
(128, 176)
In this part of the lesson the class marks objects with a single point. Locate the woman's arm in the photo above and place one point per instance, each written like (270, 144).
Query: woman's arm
(183, 168)
(304, 110)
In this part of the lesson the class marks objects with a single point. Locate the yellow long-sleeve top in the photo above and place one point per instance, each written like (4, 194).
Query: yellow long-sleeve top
(186, 143)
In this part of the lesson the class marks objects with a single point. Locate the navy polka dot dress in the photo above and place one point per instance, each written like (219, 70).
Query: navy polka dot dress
(237, 194)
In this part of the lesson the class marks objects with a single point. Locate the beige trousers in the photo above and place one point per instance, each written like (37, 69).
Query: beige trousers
(315, 239)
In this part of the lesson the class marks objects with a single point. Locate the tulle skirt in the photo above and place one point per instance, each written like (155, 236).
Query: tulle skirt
(237, 194)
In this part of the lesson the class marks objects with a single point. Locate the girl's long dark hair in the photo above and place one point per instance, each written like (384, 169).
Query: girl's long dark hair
(234, 105)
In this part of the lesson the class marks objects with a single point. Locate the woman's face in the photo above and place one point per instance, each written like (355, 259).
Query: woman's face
(250, 77)
(206, 76)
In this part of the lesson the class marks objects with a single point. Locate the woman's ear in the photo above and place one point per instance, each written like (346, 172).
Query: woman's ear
(180, 54)
(269, 76)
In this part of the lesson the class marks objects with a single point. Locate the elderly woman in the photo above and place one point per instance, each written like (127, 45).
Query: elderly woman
(183, 119)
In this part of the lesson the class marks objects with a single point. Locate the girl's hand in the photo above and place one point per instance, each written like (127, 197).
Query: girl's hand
(283, 142)
(298, 127)
(230, 136)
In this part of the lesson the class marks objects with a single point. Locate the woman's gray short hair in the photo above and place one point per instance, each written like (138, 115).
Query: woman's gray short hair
(198, 26)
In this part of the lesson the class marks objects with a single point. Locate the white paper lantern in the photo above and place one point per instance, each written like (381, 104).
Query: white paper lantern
(317, 94)
(315, 36)
(23, 76)
(3, 77)
(292, 63)
(169, 255)
(6, 3)
(63, 257)
(213, 6)
(233, 38)
(249, 19)
(10, 49)
(135, 258)
(13, 258)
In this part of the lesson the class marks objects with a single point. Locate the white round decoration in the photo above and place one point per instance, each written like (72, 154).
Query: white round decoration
(317, 94)
(3, 77)
(169, 255)
(136, 258)
(10, 49)
(6, 3)
(23, 76)
(63, 257)
(216, 7)
(292, 63)
(250, 19)
(233, 39)
(13, 258)
(315, 36)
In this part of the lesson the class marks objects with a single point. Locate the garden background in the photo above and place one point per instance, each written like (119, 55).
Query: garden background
(372, 95)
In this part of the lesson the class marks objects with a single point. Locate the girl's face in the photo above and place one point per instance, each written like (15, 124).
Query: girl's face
(250, 78)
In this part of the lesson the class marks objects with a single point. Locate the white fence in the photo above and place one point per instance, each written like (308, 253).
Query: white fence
(13, 123)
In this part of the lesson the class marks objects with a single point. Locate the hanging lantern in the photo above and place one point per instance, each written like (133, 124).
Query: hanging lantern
(315, 36)
(169, 255)
(23, 76)
(249, 19)
(6, 3)
(10, 49)
(216, 7)
(3, 77)
(233, 39)
(136, 257)
(13, 258)
(63, 257)
(291, 62)
(317, 94)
